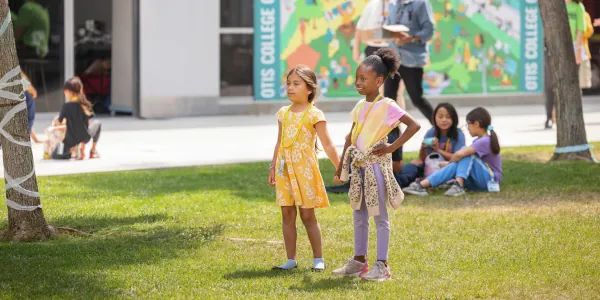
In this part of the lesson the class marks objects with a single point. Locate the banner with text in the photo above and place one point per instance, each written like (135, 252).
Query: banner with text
(267, 65)
(479, 47)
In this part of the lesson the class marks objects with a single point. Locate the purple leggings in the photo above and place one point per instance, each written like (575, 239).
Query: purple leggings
(382, 223)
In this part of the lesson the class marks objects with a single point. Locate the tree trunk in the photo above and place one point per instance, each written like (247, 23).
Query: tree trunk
(23, 225)
(564, 75)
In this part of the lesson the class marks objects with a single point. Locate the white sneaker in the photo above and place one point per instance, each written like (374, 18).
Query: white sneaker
(380, 272)
(318, 265)
(353, 268)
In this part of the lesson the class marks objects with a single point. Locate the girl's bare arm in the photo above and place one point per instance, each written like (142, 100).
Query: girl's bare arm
(274, 160)
(346, 145)
(412, 127)
(328, 145)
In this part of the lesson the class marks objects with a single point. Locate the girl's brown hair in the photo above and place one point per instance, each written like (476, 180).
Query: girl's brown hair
(484, 118)
(75, 86)
(309, 77)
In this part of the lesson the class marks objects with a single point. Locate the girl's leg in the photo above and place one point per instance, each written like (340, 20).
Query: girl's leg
(463, 169)
(361, 232)
(473, 174)
(470, 174)
(381, 270)
(288, 214)
(94, 130)
(313, 230)
(408, 175)
(361, 228)
(440, 176)
(382, 222)
(34, 137)
(358, 265)
(80, 151)
(314, 236)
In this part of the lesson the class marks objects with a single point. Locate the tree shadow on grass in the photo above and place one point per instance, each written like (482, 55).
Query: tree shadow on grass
(93, 224)
(81, 267)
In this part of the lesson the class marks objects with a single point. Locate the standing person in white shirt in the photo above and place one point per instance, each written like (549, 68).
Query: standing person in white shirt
(372, 18)
(417, 16)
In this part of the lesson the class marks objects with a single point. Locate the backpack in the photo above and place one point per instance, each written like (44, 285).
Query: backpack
(432, 163)
(433, 160)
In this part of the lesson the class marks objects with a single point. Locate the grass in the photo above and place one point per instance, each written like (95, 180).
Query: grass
(214, 232)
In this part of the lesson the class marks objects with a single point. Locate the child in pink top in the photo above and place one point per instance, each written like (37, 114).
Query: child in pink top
(373, 185)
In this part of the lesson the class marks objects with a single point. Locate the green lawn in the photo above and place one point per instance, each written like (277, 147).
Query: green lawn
(214, 232)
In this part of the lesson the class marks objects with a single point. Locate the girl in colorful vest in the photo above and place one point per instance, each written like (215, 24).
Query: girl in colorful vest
(369, 157)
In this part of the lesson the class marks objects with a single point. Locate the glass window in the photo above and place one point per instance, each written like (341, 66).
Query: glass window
(39, 40)
(236, 64)
(93, 50)
(237, 13)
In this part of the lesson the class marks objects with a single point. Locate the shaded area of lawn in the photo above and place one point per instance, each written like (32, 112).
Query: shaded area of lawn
(81, 268)
(214, 232)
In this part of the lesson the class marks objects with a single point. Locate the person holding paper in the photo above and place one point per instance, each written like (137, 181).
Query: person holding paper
(368, 29)
(411, 45)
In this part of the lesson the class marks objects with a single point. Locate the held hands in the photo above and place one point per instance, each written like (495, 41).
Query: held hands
(272, 177)
(336, 177)
(336, 180)
(383, 149)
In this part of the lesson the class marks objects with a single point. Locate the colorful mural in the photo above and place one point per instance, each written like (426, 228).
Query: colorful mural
(480, 46)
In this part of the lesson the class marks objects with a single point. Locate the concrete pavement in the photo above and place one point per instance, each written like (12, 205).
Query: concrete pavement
(132, 144)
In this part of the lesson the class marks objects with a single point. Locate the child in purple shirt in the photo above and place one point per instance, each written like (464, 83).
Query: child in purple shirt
(477, 167)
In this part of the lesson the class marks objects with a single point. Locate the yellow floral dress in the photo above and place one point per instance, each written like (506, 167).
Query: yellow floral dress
(298, 180)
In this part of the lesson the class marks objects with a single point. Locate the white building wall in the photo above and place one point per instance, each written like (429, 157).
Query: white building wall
(122, 75)
(179, 58)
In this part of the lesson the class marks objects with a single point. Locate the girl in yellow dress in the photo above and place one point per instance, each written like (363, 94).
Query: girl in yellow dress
(294, 170)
